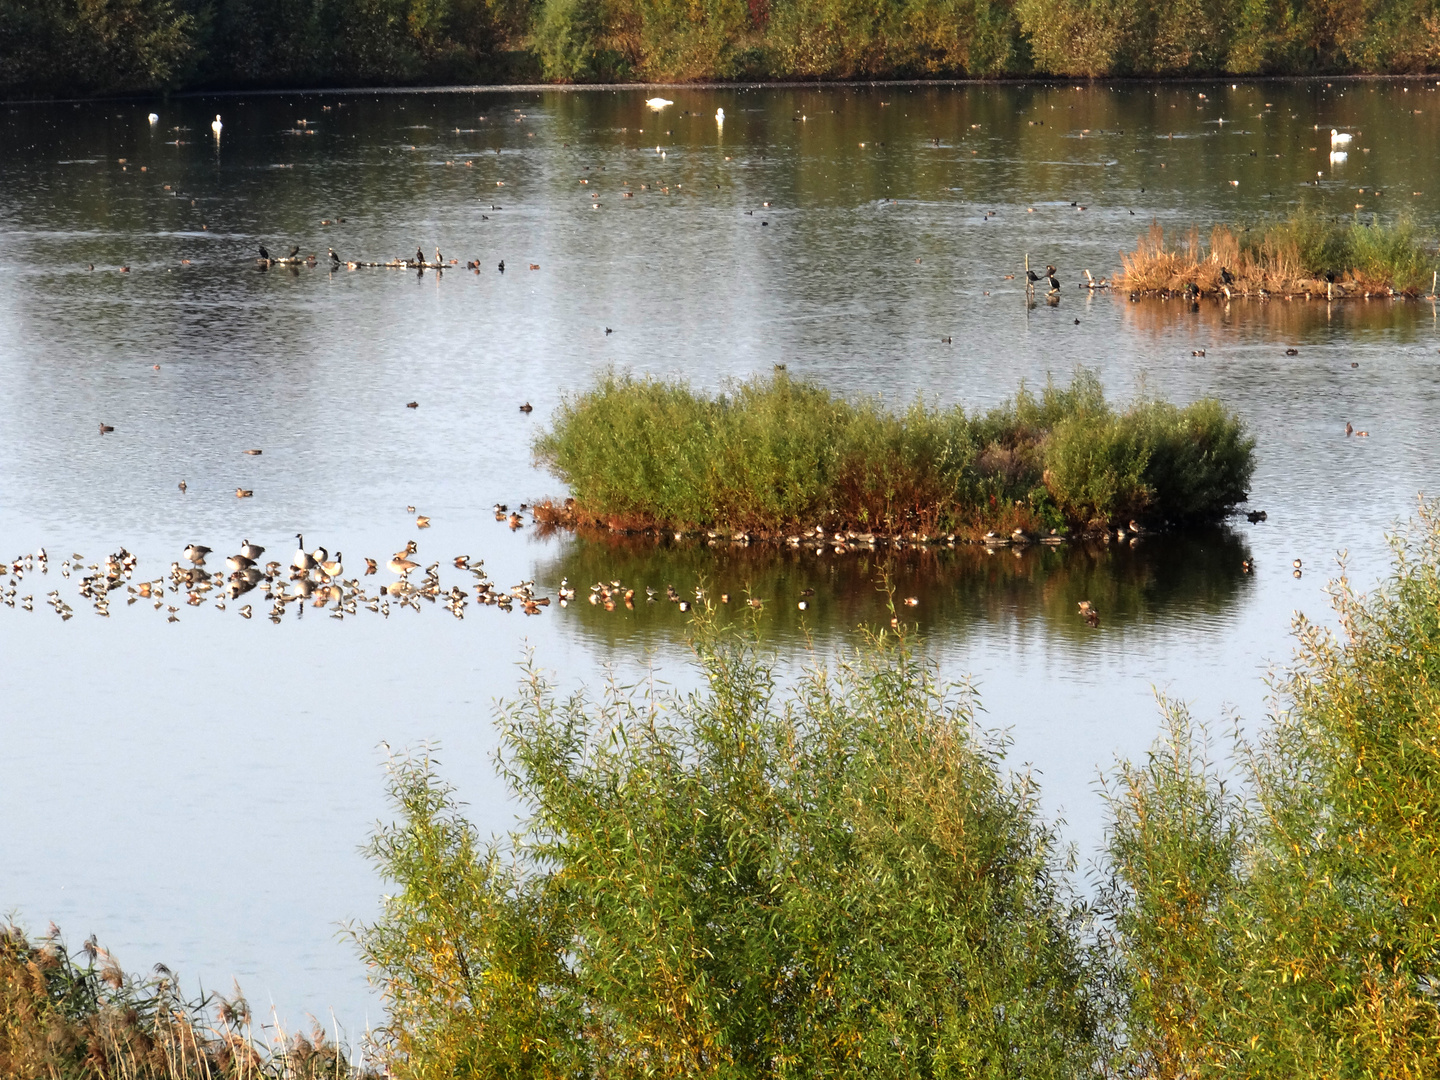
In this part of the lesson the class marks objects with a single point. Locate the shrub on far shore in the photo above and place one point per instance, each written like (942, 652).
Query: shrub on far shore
(778, 454)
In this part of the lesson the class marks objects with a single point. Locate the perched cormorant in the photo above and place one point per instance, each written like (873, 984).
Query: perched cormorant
(295, 251)
(334, 260)
(1034, 277)
(1227, 277)
(1050, 277)
(264, 253)
(420, 256)
(502, 266)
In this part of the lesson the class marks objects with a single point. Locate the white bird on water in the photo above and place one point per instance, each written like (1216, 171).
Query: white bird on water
(719, 116)
(658, 103)
(154, 118)
(1339, 138)
(216, 125)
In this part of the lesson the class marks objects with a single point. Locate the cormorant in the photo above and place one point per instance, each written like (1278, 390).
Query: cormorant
(264, 253)
(295, 251)
(1226, 276)
(502, 266)
(1033, 277)
(334, 260)
(1054, 281)
(419, 257)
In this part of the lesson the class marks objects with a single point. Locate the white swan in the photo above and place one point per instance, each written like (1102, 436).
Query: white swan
(154, 117)
(658, 103)
(216, 125)
(1339, 138)
(719, 116)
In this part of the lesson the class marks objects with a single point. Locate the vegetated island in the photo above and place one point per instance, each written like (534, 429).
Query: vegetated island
(774, 458)
(1307, 256)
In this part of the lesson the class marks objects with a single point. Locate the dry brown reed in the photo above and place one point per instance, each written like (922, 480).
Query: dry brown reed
(1294, 258)
(64, 1017)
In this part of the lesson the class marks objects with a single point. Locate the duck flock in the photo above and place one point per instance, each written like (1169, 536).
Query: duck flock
(311, 579)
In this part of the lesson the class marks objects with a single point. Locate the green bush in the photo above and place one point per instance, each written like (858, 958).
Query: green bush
(778, 453)
(1297, 931)
(742, 881)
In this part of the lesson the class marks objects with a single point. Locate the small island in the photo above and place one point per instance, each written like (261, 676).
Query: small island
(774, 457)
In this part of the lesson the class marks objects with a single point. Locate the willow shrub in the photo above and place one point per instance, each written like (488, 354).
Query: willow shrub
(778, 453)
(1297, 932)
(830, 880)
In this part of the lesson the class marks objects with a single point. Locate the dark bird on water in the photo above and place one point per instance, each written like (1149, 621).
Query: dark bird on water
(527, 407)
(1349, 428)
(104, 428)
(1033, 277)
(295, 251)
(1256, 516)
(419, 257)
(1292, 352)
(264, 253)
(412, 404)
(502, 266)
(334, 260)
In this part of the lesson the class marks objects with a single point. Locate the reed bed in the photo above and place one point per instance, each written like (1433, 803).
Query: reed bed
(68, 1017)
(777, 455)
(1308, 255)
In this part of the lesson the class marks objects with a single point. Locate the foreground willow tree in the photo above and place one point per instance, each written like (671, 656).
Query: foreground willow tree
(741, 882)
(1291, 927)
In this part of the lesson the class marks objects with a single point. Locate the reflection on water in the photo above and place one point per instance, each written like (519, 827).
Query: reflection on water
(1194, 577)
(1245, 321)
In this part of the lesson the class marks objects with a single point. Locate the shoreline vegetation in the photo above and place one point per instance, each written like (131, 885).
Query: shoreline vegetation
(1307, 256)
(67, 48)
(66, 1016)
(836, 870)
(780, 459)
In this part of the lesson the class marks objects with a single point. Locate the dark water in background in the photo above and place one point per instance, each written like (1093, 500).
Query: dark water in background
(195, 792)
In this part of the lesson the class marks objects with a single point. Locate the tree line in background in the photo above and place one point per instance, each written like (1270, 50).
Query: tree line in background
(73, 47)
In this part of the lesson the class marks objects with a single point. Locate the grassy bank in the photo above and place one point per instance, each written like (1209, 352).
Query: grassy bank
(777, 454)
(842, 875)
(1309, 254)
(80, 1017)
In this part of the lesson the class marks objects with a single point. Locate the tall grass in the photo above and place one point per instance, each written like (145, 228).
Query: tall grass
(780, 454)
(1290, 257)
(64, 1017)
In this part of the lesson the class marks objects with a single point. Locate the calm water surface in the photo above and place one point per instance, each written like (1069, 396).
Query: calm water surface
(195, 791)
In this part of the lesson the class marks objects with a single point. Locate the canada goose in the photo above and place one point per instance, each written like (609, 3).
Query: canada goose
(239, 563)
(334, 568)
(196, 553)
(303, 560)
(216, 126)
(398, 564)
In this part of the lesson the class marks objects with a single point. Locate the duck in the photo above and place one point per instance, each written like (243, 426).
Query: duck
(527, 407)
(105, 429)
(244, 493)
(370, 567)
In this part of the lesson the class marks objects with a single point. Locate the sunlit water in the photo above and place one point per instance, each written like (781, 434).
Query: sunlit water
(196, 791)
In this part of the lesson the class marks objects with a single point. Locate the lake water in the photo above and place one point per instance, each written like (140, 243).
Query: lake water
(195, 791)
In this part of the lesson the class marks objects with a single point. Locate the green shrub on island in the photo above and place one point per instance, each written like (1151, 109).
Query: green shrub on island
(776, 454)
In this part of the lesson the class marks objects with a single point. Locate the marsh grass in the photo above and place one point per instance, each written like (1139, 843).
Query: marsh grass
(64, 1017)
(777, 454)
(1290, 258)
